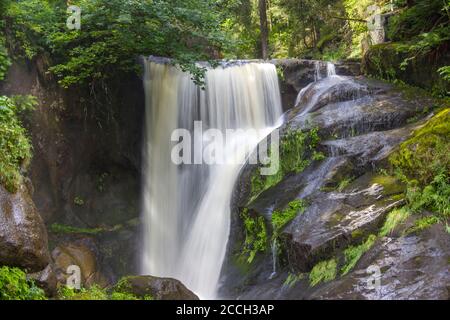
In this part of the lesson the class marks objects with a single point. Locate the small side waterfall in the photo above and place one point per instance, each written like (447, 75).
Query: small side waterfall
(305, 98)
(331, 69)
(186, 208)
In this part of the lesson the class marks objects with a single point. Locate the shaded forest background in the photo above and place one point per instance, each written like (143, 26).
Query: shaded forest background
(114, 32)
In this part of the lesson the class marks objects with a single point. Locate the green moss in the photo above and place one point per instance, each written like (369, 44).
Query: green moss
(281, 218)
(423, 163)
(14, 285)
(255, 236)
(390, 184)
(394, 218)
(324, 271)
(64, 229)
(354, 253)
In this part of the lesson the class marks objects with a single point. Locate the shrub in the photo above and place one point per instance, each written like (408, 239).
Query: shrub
(15, 147)
(14, 285)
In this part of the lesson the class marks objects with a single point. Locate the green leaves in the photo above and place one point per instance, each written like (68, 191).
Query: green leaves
(255, 235)
(281, 218)
(114, 33)
(15, 147)
(5, 62)
(15, 286)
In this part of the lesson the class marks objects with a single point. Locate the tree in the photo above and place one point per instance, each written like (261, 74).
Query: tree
(264, 29)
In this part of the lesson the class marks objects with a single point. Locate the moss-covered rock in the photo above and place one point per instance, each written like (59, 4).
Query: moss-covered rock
(423, 162)
(384, 61)
(155, 288)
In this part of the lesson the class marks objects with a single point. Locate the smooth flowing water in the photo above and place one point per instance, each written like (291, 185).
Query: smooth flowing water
(186, 208)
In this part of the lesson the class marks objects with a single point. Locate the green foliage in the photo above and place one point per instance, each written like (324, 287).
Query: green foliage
(444, 72)
(5, 62)
(78, 201)
(297, 149)
(353, 254)
(97, 293)
(422, 17)
(114, 33)
(423, 28)
(92, 293)
(255, 236)
(344, 183)
(394, 218)
(121, 291)
(15, 147)
(324, 271)
(423, 163)
(292, 279)
(281, 218)
(15, 286)
(423, 223)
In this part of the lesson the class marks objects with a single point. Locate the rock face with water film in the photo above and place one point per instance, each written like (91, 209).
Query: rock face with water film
(347, 198)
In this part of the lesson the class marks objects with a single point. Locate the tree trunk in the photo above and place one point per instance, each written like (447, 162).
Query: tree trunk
(264, 28)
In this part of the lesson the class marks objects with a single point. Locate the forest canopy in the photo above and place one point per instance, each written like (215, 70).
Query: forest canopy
(114, 32)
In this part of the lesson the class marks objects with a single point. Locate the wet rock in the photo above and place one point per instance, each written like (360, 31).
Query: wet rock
(83, 254)
(23, 236)
(157, 288)
(331, 220)
(339, 114)
(332, 89)
(413, 267)
(46, 279)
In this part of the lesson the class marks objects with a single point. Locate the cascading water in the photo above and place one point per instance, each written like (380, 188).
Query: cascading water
(331, 69)
(309, 101)
(186, 208)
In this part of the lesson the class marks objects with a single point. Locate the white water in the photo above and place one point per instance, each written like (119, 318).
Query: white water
(186, 209)
(331, 69)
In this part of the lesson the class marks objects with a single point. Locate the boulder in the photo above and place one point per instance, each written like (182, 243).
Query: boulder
(415, 267)
(81, 253)
(156, 288)
(23, 236)
(46, 279)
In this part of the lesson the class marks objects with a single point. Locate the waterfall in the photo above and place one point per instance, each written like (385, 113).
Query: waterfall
(186, 208)
(331, 69)
(305, 98)
(317, 75)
